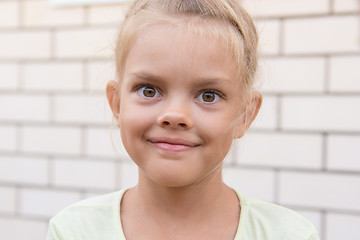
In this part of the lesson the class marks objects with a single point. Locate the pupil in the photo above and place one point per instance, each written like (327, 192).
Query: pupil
(208, 97)
(149, 92)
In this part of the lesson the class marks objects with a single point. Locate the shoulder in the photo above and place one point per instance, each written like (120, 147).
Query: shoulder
(86, 216)
(272, 221)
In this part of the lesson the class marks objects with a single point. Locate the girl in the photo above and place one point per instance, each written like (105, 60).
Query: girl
(184, 92)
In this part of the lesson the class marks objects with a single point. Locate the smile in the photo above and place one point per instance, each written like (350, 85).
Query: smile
(172, 145)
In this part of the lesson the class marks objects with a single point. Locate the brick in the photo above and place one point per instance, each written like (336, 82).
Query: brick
(343, 152)
(338, 113)
(285, 8)
(255, 183)
(9, 73)
(320, 190)
(39, 13)
(341, 225)
(98, 74)
(9, 14)
(82, 109)
(8, 138)
(280, 150)
(52, 140)
(66, 173)
(267, 116)
(104, 142)
(341, 6)
(21, 108)
(53, 76)
(85, 43)
(269, 36)
(7, 200)
(23, 170)
(25, 45)
(128, 174)
(345, 74)
(282, 75)
(317, 35)
(108, 14)
(17, 228)
(45, 203)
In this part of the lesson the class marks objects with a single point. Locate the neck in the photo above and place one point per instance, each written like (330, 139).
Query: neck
(198, 200)
(204, 208)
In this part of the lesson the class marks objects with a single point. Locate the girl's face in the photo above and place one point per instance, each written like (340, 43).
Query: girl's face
(180, 106)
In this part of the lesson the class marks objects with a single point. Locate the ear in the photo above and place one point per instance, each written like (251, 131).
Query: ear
(112, 94)
(251, 110)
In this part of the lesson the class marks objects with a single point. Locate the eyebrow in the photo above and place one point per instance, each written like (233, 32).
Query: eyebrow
(146, 76)
(204, 81)
(198, 82)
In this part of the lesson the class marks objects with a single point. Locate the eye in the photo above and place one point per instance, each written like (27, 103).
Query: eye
(209, 96)
(148, 91)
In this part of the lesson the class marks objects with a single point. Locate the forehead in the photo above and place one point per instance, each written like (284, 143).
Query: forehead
(171, 50)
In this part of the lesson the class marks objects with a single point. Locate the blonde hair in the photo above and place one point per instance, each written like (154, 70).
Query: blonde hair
(229, 22)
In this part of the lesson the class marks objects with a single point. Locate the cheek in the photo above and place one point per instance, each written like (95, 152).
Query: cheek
(135, 120)
(216, 123)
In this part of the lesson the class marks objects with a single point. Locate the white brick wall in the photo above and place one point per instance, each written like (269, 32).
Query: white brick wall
(108, 14)
(128, 174)
(39, 14)
(45, 203)
(21, 107)
(8, 138)
(345, 74)
(341, 6)
(269, 36)
(343, 152)
(24, 45)
(57, 143)
(294, 190)
(9, 14)
(335, 113)
(98, 73)
(94, 174)
(7, 199)
(286, 8)
(82, 109)
(341, 225)
(10, 73)
(51, 140)
(267, 118)
(22, 229)
(53, 76)
(257, 183)
(293, 75)
(318, 35)
(85, 43)
(280, 150)
(25, 170)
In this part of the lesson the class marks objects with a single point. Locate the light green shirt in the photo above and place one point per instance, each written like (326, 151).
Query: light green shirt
(99, 218)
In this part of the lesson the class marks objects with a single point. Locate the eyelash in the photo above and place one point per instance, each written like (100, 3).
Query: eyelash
(217, 94)
(140, 88)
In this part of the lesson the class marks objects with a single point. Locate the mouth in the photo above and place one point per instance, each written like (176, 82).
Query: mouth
(172, 144)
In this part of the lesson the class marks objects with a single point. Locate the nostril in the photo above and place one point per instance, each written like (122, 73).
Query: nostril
(182, 124)
(166, 123)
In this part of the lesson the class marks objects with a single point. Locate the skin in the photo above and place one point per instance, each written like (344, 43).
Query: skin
(180, 107)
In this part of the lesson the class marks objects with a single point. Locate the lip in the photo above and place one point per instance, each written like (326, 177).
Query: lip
(172, 144)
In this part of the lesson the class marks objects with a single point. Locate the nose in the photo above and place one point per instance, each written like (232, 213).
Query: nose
(176, 116)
